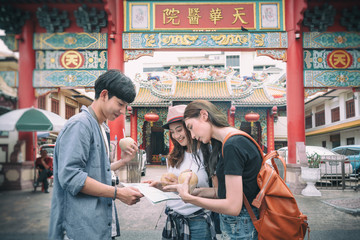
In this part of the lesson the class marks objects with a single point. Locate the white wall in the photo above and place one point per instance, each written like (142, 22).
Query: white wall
(280, 129)
(11, 141)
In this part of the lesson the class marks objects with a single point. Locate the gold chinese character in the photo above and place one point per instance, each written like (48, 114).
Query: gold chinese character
(238, 15)
(71, 59)
(339, 58)
(194, 16)
(215, 15)
(169, 15)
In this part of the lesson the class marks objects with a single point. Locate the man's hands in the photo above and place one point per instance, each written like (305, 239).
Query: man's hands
(129, 153)
(129, 195)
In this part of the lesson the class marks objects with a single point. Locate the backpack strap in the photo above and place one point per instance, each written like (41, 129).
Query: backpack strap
(249, 209)
(239, 132)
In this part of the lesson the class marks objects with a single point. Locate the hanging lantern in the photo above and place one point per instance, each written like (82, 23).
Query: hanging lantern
(232, 110)
(151, 118)
(252, 117)
(129, 109)
(274, 110)
(274, 113)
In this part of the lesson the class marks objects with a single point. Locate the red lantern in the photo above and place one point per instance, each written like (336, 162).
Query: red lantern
(151, 118)
(129, 109)
(274, 110)
(232, 110)
(252, 117)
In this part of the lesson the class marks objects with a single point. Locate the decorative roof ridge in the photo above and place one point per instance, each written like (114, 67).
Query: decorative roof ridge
(267, 94)
(201, 81)
(271, 104)
(271, 97)
(243, 94)
(158, 93)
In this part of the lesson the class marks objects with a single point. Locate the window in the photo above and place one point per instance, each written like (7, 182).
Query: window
(69, 111)
(258, 68)
(41, 102)
(350, 141)
(323, 144)
(232, 61)
(335, 114)
(350, 108)
(351, 152)
(335, 140)
(55, 106)
(308, 122)
(320, 118)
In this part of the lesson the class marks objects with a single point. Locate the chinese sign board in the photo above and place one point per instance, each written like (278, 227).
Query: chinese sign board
(204, 16)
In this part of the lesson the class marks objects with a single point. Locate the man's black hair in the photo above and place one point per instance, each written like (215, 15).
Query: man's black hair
(117, 84)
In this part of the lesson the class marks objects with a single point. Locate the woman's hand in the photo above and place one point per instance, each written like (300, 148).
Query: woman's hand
(169, 181)
(182, 189)
(155, 184)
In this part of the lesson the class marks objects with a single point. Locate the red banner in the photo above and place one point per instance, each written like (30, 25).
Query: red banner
(208, 16)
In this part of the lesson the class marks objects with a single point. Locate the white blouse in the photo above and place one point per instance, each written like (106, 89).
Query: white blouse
(189, 162)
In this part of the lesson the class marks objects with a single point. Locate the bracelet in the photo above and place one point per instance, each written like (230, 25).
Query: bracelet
(115, 193)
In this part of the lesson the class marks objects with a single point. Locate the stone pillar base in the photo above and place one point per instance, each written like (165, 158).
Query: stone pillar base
(293, 178)
(17, 176)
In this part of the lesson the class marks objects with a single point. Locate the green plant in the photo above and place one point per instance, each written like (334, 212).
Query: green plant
(314, 160)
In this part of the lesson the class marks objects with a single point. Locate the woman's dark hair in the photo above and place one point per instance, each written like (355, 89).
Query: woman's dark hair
(216, 118)
(117, 84)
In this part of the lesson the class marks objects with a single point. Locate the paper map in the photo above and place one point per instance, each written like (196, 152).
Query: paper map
(154, 195)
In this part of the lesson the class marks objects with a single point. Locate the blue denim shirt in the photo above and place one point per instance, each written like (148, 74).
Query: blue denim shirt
(80, 152)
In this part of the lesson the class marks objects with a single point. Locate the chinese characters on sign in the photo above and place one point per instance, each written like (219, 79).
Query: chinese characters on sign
(205, 16)
(339, 59)
(71, 59)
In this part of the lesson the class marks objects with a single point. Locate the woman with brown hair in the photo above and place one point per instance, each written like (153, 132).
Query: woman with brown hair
(185, 220)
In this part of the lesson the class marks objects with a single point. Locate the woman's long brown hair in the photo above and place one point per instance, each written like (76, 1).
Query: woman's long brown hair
(216, 118)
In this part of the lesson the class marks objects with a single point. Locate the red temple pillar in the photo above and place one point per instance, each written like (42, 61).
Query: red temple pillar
(133, 124)
(294, 78)
(270, 132)
(116, 61)
(26, 92)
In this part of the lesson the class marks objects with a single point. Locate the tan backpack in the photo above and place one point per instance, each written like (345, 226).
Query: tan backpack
(279, 214)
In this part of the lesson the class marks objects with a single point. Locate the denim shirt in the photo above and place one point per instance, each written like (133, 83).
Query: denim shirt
(80, 152)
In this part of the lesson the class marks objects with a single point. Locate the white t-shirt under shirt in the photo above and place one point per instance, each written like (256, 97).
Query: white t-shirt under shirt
(189, 162)
(113, 222)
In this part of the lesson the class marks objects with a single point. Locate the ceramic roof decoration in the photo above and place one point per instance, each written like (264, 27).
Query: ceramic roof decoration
(159, 89)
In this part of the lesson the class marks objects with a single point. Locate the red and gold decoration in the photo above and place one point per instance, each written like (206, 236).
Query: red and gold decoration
(339, 59)
(151, 117)
(72, 59)
(252, 117)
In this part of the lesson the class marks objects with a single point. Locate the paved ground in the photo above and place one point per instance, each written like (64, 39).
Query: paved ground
(24, 215)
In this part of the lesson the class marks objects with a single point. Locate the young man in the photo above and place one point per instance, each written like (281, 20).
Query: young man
(82, 202)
